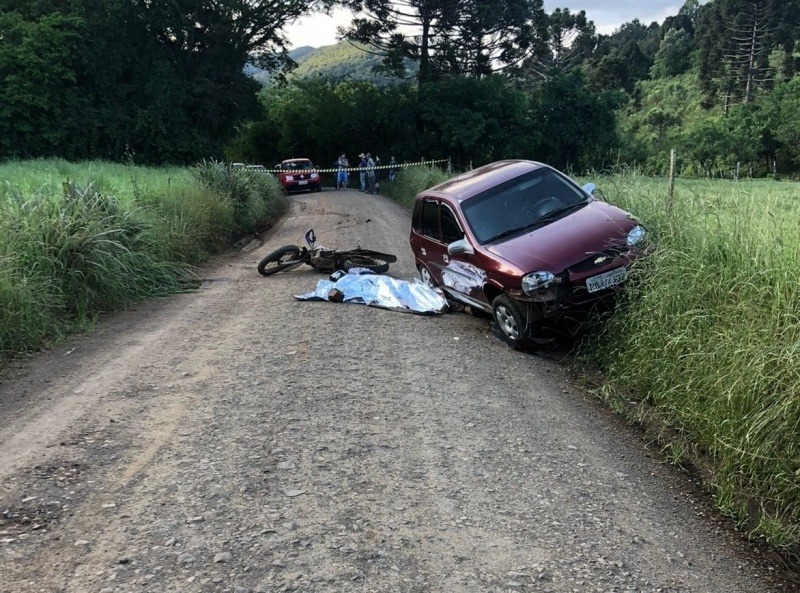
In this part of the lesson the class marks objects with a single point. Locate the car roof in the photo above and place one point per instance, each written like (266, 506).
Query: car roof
(295, 161)
(478, 180)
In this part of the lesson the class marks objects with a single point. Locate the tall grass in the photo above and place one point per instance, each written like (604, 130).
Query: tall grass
(410, 181)
(708, 340)
(78, 239)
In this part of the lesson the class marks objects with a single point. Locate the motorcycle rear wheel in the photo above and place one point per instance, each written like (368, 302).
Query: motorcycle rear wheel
(282, 259)
(365, 261)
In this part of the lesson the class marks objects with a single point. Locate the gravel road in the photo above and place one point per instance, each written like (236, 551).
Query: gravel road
(234, 439)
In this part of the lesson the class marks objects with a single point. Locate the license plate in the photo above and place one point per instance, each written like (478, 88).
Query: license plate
(606, 280)
(302, 183)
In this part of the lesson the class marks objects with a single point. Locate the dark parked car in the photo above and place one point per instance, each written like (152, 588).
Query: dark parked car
(298, 175)
(523, 242)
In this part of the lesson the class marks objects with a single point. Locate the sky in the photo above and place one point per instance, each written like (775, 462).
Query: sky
(318, 29)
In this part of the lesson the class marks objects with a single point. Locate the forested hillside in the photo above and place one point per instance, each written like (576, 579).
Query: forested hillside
(265, 76)
(476, 80)
(344, 61)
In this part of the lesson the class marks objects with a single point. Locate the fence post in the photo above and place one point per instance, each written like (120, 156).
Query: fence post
(671, 179)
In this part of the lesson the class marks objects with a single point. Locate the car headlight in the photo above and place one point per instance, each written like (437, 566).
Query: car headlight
(314, 176)
(290, 178)
(636, 235)
(536, 280)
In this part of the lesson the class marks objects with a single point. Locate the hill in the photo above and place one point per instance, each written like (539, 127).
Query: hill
(342, 61)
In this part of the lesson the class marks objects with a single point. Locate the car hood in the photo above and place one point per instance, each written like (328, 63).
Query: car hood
(555, 247)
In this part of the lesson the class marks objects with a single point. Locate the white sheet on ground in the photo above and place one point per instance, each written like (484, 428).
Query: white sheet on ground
(381, 291)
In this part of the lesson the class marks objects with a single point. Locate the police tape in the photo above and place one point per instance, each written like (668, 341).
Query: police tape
(347, 169)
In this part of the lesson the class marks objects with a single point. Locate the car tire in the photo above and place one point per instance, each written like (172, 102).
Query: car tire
(511, 323)
(317, 188)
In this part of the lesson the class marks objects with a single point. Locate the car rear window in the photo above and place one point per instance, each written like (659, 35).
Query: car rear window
(297, 165)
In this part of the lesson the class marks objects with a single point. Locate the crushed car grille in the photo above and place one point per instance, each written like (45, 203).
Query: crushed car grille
(598, 260)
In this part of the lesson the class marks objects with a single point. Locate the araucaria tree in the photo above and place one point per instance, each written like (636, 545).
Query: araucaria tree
(471, 37)
(736, 41)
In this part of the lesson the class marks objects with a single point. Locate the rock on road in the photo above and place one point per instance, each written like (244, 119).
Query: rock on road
(234, 439)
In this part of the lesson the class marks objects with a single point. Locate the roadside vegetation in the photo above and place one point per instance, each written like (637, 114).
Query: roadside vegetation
(707, 343)
(412, 180)
(77, 240)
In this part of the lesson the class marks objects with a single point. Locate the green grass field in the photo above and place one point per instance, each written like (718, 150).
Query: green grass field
(48, 175)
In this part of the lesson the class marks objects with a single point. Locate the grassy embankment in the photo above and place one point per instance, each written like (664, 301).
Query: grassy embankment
(707, 343)
(79, 239)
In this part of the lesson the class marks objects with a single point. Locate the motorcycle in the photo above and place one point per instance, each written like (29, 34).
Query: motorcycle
(323, 260)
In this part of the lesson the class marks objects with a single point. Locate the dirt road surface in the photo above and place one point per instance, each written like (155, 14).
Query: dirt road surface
(235, 439)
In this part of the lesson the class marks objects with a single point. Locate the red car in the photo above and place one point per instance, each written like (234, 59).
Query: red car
(298, 175)
(523, 242)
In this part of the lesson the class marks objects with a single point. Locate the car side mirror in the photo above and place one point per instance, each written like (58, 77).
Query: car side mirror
(460, 246)
(589, 188)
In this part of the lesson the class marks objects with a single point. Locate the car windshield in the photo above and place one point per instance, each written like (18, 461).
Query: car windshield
(524, 202)
(297, 165)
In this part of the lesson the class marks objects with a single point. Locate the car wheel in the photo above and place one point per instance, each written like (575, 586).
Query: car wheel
(511, 324)
(426, 277)
(515, 328)
(509, 317)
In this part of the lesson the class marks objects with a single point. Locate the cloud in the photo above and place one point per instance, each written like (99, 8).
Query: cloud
(319, 29)
(609, 15)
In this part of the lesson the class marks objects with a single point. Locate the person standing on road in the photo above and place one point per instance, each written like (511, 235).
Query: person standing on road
(346, 165)
(337, 165)
(377, 173)
(370, 174)
(341, 173)
(392, 169)
(362, 173)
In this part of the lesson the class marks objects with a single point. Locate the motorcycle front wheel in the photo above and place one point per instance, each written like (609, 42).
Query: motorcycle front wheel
(282, 259)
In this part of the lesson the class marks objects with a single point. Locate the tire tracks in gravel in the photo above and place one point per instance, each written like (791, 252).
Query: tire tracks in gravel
(234, 439)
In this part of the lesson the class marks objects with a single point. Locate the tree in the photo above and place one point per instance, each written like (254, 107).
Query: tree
(577, 127)
(475, 120)
(163, 80)
(318, 119)
(652, 121)
(735, 39)
(569, 39)
(673, 56)
(474, 37)
(38, 86)
(782, 108)
(490, 35)
(625, 57)
(721, 144)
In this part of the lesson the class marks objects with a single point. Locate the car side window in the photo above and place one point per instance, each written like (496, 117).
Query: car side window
(451, 230)
(430, 219)
(416, 217)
